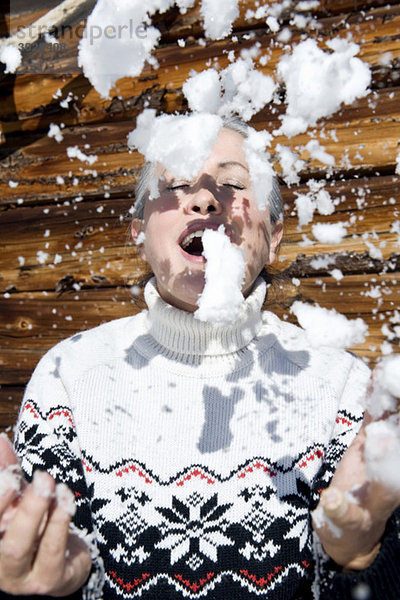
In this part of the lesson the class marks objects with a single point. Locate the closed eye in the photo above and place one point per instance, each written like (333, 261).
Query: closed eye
(235, 186)
(178, 186)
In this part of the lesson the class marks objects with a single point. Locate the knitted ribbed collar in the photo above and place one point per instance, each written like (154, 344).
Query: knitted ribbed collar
(179, 332)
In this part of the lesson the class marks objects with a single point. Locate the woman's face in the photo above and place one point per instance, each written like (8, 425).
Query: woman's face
(221, 193)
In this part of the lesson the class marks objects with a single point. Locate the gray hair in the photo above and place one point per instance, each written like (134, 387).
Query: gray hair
(234, 124)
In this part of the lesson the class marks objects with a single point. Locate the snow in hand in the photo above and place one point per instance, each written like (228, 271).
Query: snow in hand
(385, 389)
(327, 327)
(382, 444)
(382, 451)
(318, 82)
(222, 296)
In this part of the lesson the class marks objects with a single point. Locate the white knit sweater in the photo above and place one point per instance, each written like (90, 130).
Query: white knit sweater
(203, 449)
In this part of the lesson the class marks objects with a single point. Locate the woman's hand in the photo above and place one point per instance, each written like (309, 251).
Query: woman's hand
(38, 554)
(352, 513)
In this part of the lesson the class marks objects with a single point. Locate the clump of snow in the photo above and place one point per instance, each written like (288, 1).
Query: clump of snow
(329, 233)
(385, 389)
(42, 256)
(181, 143)
(397, 170)
(11, 57)
(140, 238)
(75, 152)
(122, 47)
(318, 82)
(222, 296)
(203, 91)
(316, 199)
(261, 171)
(218, 17)
(55, 132)
(246, 90)
(318, 152)
(291, 164)
(239, 88)
(321, 518)
(382, 451)
(325, 327)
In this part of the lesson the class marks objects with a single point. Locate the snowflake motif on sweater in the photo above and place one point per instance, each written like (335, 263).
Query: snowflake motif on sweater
(195, 454)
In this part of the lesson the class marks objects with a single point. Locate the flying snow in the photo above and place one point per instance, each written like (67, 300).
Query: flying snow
(325, 327)
(318, 82)
(222, 296)
(329, 233)
(239, 89)
(11, 57)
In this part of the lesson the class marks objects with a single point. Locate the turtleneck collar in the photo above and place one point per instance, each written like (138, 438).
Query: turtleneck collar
(179, 332)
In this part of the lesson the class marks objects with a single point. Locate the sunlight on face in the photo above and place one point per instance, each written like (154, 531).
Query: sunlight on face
(221, 193)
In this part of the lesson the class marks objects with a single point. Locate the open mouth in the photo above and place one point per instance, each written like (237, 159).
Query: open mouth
(192, 244)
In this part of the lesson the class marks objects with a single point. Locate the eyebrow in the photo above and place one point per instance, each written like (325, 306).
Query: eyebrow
(230, 163)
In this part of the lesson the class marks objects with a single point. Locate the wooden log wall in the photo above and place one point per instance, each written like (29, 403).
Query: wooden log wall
(66, 261)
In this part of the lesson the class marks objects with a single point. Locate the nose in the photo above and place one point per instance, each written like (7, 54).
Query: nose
(204, 202)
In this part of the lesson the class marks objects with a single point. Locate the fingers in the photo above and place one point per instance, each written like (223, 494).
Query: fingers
(50, 560)
(18, 545)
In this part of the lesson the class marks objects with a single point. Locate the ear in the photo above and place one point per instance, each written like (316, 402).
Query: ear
(137, 227)
(276, 238)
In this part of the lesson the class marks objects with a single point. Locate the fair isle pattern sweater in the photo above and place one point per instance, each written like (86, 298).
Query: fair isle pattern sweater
(195, 451)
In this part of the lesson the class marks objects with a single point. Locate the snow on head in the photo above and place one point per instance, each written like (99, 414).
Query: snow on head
(222, 297)
(11, 57)
(181, 143)
(261, 171)
(318, 82)
(219, 17)
(325, 327)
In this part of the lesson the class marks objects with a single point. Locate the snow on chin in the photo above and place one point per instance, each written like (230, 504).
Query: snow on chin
(325, 327)
(222, 297)
(318, 82)
(385, 389)
(382, 451)
(181, 143)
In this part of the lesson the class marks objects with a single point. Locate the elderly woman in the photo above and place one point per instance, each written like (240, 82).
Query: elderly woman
(196, 452)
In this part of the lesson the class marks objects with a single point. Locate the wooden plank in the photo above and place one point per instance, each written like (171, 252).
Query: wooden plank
(349, 136)
(85, 244)
(31, 323)
(10, 400)
(29, 104)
